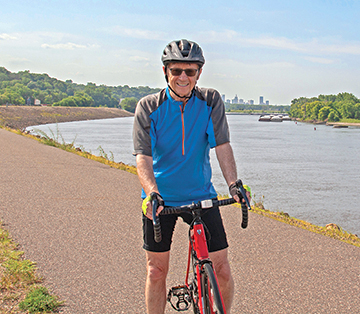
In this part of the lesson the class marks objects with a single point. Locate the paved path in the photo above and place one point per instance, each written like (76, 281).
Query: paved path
(80, 221)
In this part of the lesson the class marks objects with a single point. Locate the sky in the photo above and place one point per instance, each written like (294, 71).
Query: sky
(280, 50)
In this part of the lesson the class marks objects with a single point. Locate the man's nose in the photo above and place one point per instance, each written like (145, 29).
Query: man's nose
(183, 75)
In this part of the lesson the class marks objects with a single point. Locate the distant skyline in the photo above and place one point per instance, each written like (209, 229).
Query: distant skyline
(280, 49)
(241, 101)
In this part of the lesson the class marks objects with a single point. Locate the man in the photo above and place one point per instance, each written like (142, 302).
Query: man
(173, 133)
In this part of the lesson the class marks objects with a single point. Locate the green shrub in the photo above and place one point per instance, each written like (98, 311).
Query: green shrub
(39, 300)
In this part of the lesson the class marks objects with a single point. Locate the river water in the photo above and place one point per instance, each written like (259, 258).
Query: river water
(310, 172)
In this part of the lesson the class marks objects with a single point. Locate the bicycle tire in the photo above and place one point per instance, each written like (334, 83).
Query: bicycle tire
(210, 292)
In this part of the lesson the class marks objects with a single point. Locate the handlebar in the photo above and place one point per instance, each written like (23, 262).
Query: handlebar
(205, 204)
(156, 221)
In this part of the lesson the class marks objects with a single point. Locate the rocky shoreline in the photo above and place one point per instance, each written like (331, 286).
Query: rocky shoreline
(20, 117)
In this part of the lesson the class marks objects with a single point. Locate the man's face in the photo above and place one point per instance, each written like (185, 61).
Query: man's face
(182, 84)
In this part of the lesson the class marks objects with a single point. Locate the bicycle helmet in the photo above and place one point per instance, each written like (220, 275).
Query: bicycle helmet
(183, 51)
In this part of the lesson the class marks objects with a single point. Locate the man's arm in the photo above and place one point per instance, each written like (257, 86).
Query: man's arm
(144, 165)
(147, 179)
(225, 156)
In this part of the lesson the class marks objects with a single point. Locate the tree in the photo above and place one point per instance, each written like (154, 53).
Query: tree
(347, 110)
(323, 113)
(129, 104)
(333, 116)
(66, 102)
(312, 109)
(11, 97)
(332, 107)
(81, 99)
(51, 90)
(357, 111)
(39, 94)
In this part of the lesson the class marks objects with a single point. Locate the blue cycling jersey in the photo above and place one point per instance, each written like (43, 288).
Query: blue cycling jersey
(179, 138)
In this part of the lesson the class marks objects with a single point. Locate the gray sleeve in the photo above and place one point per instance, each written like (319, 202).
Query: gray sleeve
(218, 116)
(141, 127)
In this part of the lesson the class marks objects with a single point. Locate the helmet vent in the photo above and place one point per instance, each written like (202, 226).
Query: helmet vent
(184, 47)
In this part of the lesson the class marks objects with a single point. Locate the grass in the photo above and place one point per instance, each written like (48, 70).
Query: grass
(330, 230)
(56, 140)
(39, 300)
(20, 286)
(51, 115)
(349, 121)
(310, 120)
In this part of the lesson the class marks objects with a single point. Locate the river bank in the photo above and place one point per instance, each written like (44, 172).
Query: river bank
(20, 117)
(333, 124)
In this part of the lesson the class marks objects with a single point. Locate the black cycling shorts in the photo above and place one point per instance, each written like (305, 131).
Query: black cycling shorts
(211, 218)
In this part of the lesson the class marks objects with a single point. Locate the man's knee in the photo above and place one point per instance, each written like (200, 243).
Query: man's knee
(156, 273)
(221, 265)
(157, 266)
(223, 270)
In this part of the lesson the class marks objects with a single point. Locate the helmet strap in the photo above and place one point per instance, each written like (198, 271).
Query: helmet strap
(186, 98)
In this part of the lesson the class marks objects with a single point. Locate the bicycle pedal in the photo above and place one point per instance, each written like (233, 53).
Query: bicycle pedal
(179, 298)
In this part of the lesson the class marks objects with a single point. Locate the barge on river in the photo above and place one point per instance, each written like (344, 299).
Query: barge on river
(274, 118)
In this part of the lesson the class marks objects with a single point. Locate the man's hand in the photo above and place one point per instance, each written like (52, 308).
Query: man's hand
(147, 204)
(236, 194)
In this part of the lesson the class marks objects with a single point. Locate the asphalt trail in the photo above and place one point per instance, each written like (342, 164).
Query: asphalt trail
(80, 221)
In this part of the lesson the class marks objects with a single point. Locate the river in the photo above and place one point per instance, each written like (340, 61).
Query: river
(310, 172)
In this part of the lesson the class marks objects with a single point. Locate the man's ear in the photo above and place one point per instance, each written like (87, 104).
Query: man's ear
(200, 71)
(166, 77)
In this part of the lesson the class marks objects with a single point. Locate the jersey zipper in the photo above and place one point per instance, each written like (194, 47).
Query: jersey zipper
(182, 109)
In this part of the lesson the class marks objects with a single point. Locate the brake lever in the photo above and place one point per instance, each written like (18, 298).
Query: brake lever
(243, 192)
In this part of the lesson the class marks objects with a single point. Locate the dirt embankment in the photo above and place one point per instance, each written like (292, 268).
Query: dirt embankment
(20, 117)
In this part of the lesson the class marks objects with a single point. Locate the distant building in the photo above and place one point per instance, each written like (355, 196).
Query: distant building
(235, 100)
(241, 101)
(267, 103)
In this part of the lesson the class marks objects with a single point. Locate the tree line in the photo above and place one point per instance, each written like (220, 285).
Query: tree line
(332, 108)
(257, 108)
(23, 88)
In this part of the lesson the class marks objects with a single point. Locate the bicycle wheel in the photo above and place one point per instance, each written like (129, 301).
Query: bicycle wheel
(210, 292)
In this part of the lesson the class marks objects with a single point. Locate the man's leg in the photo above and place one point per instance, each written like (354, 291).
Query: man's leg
(223, 274)
(155, 287)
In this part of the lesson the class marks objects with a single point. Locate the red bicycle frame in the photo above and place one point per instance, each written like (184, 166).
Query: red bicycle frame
(198, 250)
(198, 256)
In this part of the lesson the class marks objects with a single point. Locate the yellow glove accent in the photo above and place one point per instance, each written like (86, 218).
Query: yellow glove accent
(247, 188)
(144, 206)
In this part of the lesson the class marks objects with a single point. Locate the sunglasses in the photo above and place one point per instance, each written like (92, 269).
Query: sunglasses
(188, 72)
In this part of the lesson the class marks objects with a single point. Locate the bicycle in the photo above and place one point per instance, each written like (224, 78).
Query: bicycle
(202, 290)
